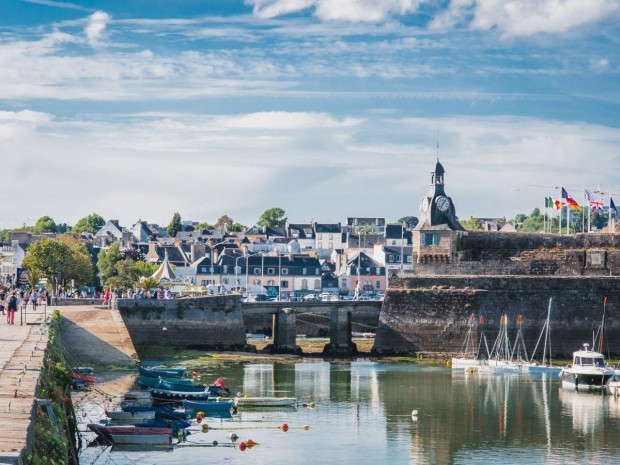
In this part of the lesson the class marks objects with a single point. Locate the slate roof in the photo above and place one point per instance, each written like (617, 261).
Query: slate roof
(327, 228)
(301, 230)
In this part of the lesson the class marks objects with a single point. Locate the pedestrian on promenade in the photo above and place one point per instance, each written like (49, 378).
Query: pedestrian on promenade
(26, 298)
(12, 308)
(106, 297)
(2, 302)
(35, 299)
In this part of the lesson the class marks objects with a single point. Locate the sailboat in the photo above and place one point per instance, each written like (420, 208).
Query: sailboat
(502, 355)
(469, 357)
(547, 364)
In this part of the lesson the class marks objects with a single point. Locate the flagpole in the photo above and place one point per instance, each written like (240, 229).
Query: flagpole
(545, 214)
(560, 212)
(567, 218)
(609, 220)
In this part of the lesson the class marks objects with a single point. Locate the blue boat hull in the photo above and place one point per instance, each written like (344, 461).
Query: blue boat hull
(162, 396)
(162, 372)
(209, 406)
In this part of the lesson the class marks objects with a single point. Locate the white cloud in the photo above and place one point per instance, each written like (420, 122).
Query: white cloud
(97, 23)
(529, 17)
(56, 4)
(340, 10)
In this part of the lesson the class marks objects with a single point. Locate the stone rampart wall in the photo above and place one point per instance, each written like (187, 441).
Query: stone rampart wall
(209, 323)
(493, 253)
(430, 314)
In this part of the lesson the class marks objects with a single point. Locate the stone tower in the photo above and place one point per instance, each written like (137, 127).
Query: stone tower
(437, 209)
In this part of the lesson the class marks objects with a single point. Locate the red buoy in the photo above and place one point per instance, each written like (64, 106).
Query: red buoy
(242, 446)
(284, 427)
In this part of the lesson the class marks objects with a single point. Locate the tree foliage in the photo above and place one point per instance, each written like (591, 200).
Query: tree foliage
(79, 265)
(237, 227)
(175, 225)
(47, 257)
(91, 223)
(472, 224)
(204, 225)
(225, 221)
(45, 224)
(129, 273)
(272, 217)
(410, 222)
(533, 223)
(107, 259)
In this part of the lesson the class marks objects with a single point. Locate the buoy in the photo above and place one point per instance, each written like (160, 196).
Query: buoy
(232, 437)
(201, 413)
(198, 419)
(194, 374)
(215, 443)
(306, 427)
(242, 446)
(250, 443)
(205, 427)
(284, 427)
(448, 363)
(311, 405)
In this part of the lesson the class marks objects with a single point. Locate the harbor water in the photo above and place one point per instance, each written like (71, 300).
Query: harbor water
(366, 412)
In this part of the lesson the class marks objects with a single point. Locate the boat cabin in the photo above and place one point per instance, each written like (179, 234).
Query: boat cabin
(589, 358)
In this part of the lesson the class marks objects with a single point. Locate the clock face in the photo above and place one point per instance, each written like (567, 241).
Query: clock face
(442, 203)
(425, 204)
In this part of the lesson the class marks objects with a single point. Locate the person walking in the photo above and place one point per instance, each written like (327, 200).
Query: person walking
(34, 298)
(106, 298)
(12, 308)
(2, 302)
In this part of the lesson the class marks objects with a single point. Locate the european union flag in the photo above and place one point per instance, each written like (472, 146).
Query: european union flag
(612, 206)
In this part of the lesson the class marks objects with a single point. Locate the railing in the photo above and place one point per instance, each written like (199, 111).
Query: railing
(23, 312)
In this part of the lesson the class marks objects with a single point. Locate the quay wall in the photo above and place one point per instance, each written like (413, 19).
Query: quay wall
(206, 323)
(429, 315)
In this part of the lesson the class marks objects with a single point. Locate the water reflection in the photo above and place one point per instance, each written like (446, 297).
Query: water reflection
(363, 415)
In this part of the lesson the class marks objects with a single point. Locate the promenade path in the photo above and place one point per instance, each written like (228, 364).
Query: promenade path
(22, 348)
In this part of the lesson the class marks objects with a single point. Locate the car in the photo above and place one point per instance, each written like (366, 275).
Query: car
(311, 298)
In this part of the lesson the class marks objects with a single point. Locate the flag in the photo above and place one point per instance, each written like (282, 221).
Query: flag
(549, 202)
(594, 202)
(570, 201)
(612, 206)
(558, 204)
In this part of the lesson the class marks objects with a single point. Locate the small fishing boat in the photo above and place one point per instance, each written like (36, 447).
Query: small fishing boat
(209, 406)
(250, 401)
(171, 386)
(106, 431)
(142, 438)
(175, 425)
(162, 372)
(166, 396)
(588, 371)
(89, 379)
(148, 381)
(121, 415)
(137, 398)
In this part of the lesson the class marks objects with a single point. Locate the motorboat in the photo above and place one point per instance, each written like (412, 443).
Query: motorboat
(121, 415)
(588, 371)
(208, 406)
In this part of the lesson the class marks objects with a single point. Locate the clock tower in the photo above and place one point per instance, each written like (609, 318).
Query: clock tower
(437, 209)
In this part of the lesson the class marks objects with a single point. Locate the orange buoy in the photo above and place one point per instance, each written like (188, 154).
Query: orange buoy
(306, 427)
(242, 446)
(284, 427)
(250, 443)
(205, 427)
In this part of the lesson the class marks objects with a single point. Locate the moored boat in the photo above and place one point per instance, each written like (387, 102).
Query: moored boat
(265, 401)
(587, 372)
(106, 431)
(142, 438)
(167, 396)
(149, 381)
(125, 416)
(209, 406)
(161, 372)
(470, 358)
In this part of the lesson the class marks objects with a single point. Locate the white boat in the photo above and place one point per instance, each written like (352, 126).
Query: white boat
(130, 416)
(141, 438)
(588, 371)
(265, 401)
(503, 357)
(469, 357)
(547, 364)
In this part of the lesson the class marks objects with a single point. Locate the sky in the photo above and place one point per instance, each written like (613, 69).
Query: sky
(325, 108)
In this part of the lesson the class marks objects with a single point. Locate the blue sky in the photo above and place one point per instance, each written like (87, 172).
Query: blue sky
(325, 108)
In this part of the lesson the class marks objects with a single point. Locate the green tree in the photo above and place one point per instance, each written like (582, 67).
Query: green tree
(91, 223)
(410, 222)
(472, 224)
(272, 217)
(148, 283)
(63, 228)
(79, 265)
(204, 225)
(45, 224)
(146, 269)
(125, 275)
(48, 257)
(107, 260)
(175, 225)
(368, 229)
(533, 223)
(33, 277)
(237, 227)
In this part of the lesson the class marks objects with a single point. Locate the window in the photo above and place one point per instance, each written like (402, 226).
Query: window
(409, 258)
(225, 270)
(429, 239)
(368, 270)
(317, 284)
(391, 258)
(271, 282)
(393, 241)
(319, 245)
(284, 270)
(330, 245)
(304, 284)
(257, 281)
(378, 284)
(378, 271)
(318, 271)
(256, 270)
(203, 269)
(271, 271)
(331, 237)
(284, 284)
(304, 271)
